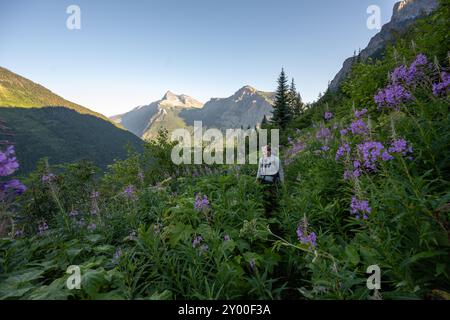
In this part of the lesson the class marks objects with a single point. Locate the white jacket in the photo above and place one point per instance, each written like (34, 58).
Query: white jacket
(270, 166)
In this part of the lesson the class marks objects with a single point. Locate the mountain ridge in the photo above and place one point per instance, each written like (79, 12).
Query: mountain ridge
(245, 107)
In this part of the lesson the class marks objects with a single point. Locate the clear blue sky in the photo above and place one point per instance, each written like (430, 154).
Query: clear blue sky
(129, 53)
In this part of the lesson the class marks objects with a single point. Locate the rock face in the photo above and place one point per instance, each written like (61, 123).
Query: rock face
(405, 13)
(245, 108)
(144, 121)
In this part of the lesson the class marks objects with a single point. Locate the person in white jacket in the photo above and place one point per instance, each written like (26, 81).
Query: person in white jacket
(270, 170)
(270, 175)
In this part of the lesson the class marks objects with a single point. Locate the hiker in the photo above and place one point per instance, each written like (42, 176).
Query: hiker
(270, 175)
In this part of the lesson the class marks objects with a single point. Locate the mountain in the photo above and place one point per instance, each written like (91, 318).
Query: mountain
(145, 121)
(405, 13)
(246, 107)
(17, 91)
(41, 124)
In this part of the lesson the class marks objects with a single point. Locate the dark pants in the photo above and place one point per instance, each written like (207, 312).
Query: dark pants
(270, 196)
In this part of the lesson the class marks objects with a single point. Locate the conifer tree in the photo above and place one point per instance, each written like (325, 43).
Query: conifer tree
(295, 100)
(282, 112)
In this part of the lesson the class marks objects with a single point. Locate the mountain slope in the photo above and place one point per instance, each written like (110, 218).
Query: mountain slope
(404, 15)
(42, 124)
(63, 135)
(17, 91)
(144, 121)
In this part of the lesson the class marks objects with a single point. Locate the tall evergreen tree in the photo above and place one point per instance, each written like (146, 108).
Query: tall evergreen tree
(264, 121)
(282, 112)
(295, 100)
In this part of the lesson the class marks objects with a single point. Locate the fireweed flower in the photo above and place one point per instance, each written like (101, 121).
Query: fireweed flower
(359, 127)
(19, 233)
(392, 96)
(8, 162)
(201, 203)
(129, 192)
(342, 151)
(328, 115)
(14, 186)
(306, 238)
(323, 133)
(48, 177)
(371, 152)
(197, 240)
(73, 213)
(42, 228)
(360, 207)
(360, 113)
(400, 146)
(442, 87)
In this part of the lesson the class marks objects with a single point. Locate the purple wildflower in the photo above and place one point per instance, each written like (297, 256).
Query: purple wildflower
(48, 177)
(306, 238)
(392, 96)
(226, 238)
(197, 240)
(129, 192)
(360, 113)
(323, 133)
(92, 226)
(14, 186)
(342, 151)
(201, 203)
(325, 148)
(359, 127)
(442, 87)
(8, 162)
(19, 233)
(371, 152)
(42, 228)
(343, 132)
(328, 115)
(358, 207)
(400, 146)
(73, 213)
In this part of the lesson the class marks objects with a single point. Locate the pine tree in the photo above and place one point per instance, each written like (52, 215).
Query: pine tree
(264, 121)
(282, 112)
(295, 100)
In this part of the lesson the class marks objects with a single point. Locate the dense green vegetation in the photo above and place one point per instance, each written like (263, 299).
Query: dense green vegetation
(63, 135)
(367, 184)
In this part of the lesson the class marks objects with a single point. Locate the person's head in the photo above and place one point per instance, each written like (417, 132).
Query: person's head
(267, 151)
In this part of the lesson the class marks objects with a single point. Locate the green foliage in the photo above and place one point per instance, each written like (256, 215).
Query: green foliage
(63, 136)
